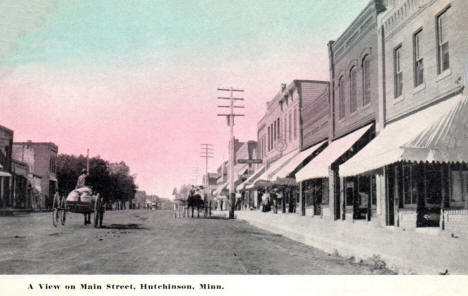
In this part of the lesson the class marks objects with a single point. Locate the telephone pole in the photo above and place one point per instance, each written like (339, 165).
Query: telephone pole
(206, 152)
(230, 121)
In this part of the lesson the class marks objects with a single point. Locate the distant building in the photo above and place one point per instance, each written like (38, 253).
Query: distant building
(44, 166)
(6, 143)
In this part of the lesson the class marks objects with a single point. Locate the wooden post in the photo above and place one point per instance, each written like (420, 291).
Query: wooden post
(302, 199)
(342, 198)
(396, 199)
(387, 196)
(369, 200)
(284, 200)
(444, 197)
(462, 184)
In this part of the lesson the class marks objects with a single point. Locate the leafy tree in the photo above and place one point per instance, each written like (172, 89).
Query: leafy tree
(112, 180)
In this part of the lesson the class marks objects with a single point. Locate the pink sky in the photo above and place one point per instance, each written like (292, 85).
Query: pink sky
(153, 109)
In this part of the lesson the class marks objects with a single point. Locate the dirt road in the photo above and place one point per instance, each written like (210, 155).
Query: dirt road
(153, 242)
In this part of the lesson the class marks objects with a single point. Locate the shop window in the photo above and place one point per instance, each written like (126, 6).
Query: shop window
(433, 186)
(350, 191)
(325, 197)
(459, 186)
(409, 187)
(443, 42)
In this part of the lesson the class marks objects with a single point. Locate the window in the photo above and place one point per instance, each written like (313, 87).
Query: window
(398, 76)
(290, 127)
(279, 128)
(418, 59)
(341, 97)
(275, 131)
(409, 188)
(269, 135)
(442, 42)
(459, 186)
(366, 87)
(285, 127)
(295, 123)
(352, 90)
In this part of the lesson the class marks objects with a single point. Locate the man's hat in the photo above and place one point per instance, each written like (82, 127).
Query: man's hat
(83, 171)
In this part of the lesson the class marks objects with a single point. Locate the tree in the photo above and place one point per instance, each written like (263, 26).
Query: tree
(112, 180)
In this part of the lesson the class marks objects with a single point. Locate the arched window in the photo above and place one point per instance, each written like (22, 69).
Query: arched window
(366, 84)
(341, 98)
(352, 90)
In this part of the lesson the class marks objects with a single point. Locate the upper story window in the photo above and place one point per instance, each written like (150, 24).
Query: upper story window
(418, 59)
(278, 128)
(285, 127)
(366, 84)
(443, 42)
(398, 73)
(295, 123)
(341, 98)
(274, 131)
(290, 126)
(269, 138)
(352, 90)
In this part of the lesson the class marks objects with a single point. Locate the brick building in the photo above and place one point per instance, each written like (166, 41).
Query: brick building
(6, 143)
(421, 149)
(353, 60)
(45, 156)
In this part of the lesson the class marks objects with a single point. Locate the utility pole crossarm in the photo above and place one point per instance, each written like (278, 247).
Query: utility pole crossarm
(228, 98)
(231, 89)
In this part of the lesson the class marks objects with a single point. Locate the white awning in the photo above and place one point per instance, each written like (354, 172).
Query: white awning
(248, 184)
(275, 166)
(220, 188)
(318, 167)
(4, 174)
(438, 133)
(296, 161)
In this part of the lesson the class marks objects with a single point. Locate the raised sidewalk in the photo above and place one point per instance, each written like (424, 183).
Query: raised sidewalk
(406, 252)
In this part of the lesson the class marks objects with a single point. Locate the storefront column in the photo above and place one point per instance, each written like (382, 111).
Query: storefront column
(396, 200)
(369, 200)
(342, 198)
(302, 198)
(284, 200)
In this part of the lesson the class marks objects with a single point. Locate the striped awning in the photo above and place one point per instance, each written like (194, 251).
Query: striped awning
(319, 166)
(438, 133)
(266, 177)
(292, 166)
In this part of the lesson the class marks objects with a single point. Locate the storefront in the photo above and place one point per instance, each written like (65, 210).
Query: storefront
(315, 177)
(285, 177)
(280, 192)
(422, 160)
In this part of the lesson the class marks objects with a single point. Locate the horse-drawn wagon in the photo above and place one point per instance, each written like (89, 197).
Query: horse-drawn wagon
(81, 201)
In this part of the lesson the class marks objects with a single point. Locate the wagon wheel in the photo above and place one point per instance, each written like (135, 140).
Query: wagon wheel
(55, 217)
(97, 212)
(63, 217)
(55, 212)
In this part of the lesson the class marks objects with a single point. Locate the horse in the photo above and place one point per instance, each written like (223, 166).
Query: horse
(195, 200)
(180, 208)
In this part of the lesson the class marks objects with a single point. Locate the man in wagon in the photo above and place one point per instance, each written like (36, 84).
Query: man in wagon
(82, 190)
(82, 179)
